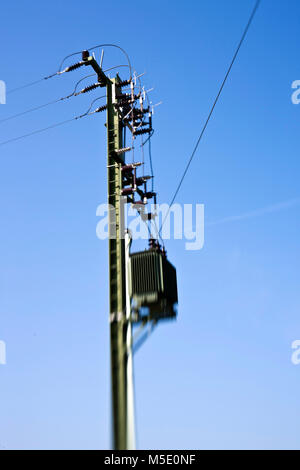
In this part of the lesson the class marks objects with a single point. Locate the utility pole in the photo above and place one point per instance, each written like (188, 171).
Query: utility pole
(138, 280)
(130, 408)
(117, 282)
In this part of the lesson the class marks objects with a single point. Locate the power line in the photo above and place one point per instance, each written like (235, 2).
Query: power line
(46, 104)
(115, 67)
(97, 47)
(31, 83)
(91, 105)
(13, 90)
(150, 161)
(212, 109)
(30, 110)
(87, 113)
(59, 99)
(150, 155)
(37, 131)
(118, 47)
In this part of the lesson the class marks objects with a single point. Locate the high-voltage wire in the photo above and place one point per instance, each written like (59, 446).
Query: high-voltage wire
(30, 83)
(60, 71)
(46, 104)
(38, 131)
(212, 109)
(36, 108)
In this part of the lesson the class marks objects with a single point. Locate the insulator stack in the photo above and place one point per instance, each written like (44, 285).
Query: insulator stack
(131, 166)
(127, 191)
(75, 66)
(123, 99)
(124, 83)
(88, 88)
(101, 108)
(142, 131)
(127, 172)
(140, 112)
(150, 195)
(127, 168)
(141, 180)
(123, 150)
(138, 123)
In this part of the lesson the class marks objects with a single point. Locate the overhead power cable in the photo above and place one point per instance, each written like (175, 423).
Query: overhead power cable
(59, 99)
(212, 109)
(115, 67)
(38, 131)
(150, 160)
(118, 47)
(91, 105)
(46, 104)
(31, 83)
(59, 72)
(97, 47)
(30, 110)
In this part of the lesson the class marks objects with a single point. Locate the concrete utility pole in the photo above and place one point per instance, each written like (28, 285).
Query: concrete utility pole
(119, 320)
(148, 280)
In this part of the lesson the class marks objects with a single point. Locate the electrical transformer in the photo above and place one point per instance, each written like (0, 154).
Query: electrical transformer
(153, 284)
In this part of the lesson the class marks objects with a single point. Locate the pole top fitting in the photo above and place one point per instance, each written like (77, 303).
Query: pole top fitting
(85, 54)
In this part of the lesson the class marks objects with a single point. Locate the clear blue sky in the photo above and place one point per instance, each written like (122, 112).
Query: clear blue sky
(221, 376)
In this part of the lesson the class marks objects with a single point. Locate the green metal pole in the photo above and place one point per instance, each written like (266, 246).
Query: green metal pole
(130, 444)
(117, 297)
